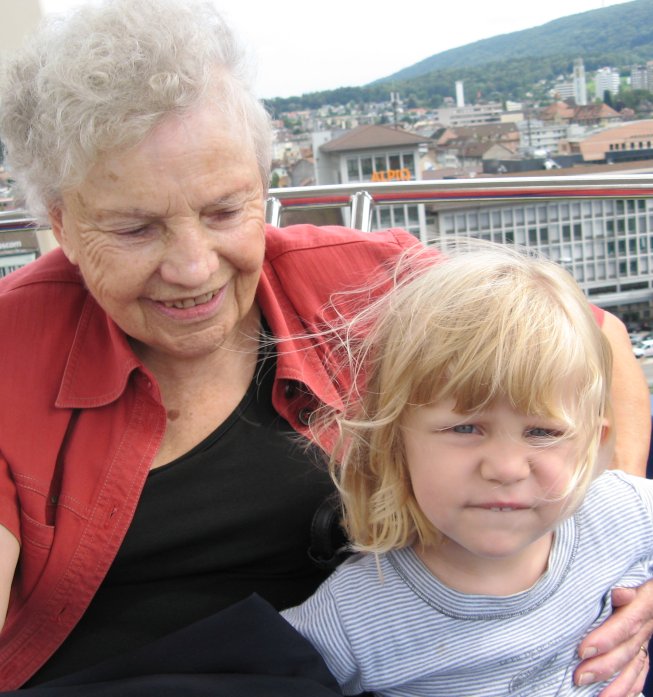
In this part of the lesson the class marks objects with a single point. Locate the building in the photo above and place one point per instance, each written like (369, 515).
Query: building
(580, 85)
(465, 147)
(374, 154)
(563, 90)
(460, 94)
(536, 135)
(606, 80)
(470, 115)
(630, 140)
(641, 76)
(606, 244)
(587, 115)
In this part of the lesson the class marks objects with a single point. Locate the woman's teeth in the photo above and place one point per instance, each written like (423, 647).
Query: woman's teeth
(190, 302)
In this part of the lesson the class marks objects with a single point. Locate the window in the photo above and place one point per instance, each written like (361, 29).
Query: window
(409, 164)
(352, 170)
(366, 168)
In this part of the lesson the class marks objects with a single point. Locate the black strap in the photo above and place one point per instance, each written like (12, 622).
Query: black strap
(329, 544)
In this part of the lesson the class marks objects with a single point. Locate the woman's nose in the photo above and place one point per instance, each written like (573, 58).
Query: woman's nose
(190, 258)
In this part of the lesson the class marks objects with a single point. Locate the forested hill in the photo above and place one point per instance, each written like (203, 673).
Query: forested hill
(624, 30)
(510, 65)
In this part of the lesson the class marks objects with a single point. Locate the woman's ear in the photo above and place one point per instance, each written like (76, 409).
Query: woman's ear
(55, 214)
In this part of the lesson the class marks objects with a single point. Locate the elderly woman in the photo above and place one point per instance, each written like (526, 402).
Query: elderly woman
(153, 381)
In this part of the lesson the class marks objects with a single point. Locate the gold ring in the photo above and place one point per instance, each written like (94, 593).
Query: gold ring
(644, 648)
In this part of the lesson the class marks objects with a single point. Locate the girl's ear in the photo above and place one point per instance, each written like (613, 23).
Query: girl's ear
(606, 446)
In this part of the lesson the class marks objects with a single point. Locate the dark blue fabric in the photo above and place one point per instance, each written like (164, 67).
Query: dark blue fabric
(246, 650)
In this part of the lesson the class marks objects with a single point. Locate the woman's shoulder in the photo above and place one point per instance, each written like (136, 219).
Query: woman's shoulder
(48, 270)
(335, 239)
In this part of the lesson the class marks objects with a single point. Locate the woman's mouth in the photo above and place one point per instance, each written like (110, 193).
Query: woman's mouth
(185, 303)
(197, 307)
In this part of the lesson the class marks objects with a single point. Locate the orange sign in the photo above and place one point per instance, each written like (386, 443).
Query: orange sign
(392, 175)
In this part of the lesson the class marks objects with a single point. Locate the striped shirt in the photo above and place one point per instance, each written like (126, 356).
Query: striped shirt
(401, 632)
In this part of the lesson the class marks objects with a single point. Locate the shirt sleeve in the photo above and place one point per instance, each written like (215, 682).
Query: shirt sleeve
(598, 313)
(318, 620)
(643, 571)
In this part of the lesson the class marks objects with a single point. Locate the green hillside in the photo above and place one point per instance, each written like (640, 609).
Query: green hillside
(624, 30)
(509, 66)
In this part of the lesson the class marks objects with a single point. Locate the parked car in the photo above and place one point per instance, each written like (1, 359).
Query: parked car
(643, 349)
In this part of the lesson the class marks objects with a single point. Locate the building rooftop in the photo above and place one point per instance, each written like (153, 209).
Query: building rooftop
(373, 136)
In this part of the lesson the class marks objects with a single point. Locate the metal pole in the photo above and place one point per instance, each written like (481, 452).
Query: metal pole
(361, 211)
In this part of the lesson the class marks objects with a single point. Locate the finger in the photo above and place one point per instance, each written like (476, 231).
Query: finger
(625, 660)
(631, 680)
(632, 623)
(622, 596)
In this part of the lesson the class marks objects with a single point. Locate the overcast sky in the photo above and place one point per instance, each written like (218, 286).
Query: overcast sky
(302, 47)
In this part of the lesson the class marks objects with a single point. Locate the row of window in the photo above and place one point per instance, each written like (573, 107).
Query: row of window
(632, 145)
(364, 168)
(553, 212)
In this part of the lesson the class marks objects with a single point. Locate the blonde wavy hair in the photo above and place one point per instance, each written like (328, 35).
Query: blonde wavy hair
(481, 323)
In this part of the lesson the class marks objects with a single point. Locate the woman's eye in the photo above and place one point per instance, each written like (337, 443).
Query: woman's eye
(224, 216)
(133, 232)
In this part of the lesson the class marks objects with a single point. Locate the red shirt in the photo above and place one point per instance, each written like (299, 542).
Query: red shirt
(81, 418)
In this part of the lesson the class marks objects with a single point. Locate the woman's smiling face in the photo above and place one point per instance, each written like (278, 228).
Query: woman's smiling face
(169, 235)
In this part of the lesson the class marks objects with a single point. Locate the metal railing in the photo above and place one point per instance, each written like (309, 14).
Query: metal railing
(360, 198)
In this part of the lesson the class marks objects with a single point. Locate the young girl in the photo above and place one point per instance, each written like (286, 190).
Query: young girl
(468, 463)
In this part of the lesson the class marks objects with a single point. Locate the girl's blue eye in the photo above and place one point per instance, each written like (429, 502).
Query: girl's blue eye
(463, 428)
(543, 433)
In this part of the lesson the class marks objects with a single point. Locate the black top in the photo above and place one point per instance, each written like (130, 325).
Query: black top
(229, 518)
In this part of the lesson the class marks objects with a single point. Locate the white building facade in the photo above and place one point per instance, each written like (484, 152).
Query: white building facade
(606, 80)
(375, 154)
(606, 244)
